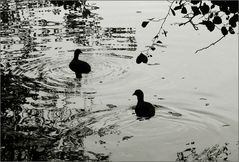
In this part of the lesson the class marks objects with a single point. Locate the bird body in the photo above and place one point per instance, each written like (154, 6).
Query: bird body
(78, 66)
(143, 109)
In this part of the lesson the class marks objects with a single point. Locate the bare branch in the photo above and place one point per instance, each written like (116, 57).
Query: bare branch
(210, 45)
(165, 18)
(161, 27)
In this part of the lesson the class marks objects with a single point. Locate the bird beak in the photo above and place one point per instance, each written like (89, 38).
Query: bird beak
(133, 94)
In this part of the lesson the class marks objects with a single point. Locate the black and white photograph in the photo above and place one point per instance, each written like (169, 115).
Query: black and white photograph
(119, 80)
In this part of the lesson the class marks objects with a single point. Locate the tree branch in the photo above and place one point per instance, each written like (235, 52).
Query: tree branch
(161, 27)
(210, 45)
(165, 18)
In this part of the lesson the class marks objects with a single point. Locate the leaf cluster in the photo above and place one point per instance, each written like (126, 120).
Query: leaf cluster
(213, 14)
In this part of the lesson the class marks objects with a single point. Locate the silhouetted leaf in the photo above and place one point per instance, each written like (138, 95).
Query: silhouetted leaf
(223, 7)
(217, 20)
(173, 12)
(156, 36)
(224, 30)
(188, 149)
(141, 58)
(195, 10)
(145, 23)
(195, 1)
(233, 6)
(233, 25)
(204, 8)
(211, 15)
(178, 7)
(212, 6)
(151, 19)
(159, 41)
(165, 33)
(210, 25)
(184, 10)
(152, 48)
(233, 20)
(231, 30)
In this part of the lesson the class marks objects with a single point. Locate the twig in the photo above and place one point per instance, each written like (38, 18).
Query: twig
(165, 18)
(161, 27)
(157, 20)
(209, 45)
(189, 20)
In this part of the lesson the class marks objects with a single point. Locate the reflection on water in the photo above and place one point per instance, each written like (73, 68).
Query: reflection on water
(48, 114)
(40, 118)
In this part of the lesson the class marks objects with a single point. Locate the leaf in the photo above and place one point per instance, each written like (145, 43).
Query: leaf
(173, 12)
(178, 7)
(151, 19)
(210, 25)
(165, 33)
(159, 42)
(145, 23)
(204, 8)
(152, 48)
(141, 58)
(224, 30)
(184, 10)
(195, 1)
(156, 36)
(195, 10)
(233, 6)
(212, 6)
(211, 15)
(233, 20)
(217, 20)
(233, 25)
(188, 149)
(231, 30)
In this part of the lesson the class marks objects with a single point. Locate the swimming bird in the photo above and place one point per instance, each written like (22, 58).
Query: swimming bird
(143, 109)
(79, 66)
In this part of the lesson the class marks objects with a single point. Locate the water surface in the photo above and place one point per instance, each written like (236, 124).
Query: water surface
(195, 95)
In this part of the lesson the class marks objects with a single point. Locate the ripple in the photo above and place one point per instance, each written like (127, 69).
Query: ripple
(164, 126)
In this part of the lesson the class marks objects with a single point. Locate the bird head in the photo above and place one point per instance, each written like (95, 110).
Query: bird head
(77, 52)
(138, 92)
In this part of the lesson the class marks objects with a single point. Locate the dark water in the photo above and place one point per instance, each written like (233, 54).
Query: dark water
(48, 114)
(39, 119)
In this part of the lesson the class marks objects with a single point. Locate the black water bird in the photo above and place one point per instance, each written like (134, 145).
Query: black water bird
(78, 66)
(143, 109)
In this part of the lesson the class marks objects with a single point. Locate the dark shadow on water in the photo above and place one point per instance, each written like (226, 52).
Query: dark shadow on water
(33, 125)
(28, 135)
(213, 153)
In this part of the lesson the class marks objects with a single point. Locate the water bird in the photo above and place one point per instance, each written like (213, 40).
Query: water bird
(78, 66)
(143, 109)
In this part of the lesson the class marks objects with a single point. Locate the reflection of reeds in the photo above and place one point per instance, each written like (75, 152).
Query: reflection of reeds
(34, 134)
(213, 153)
